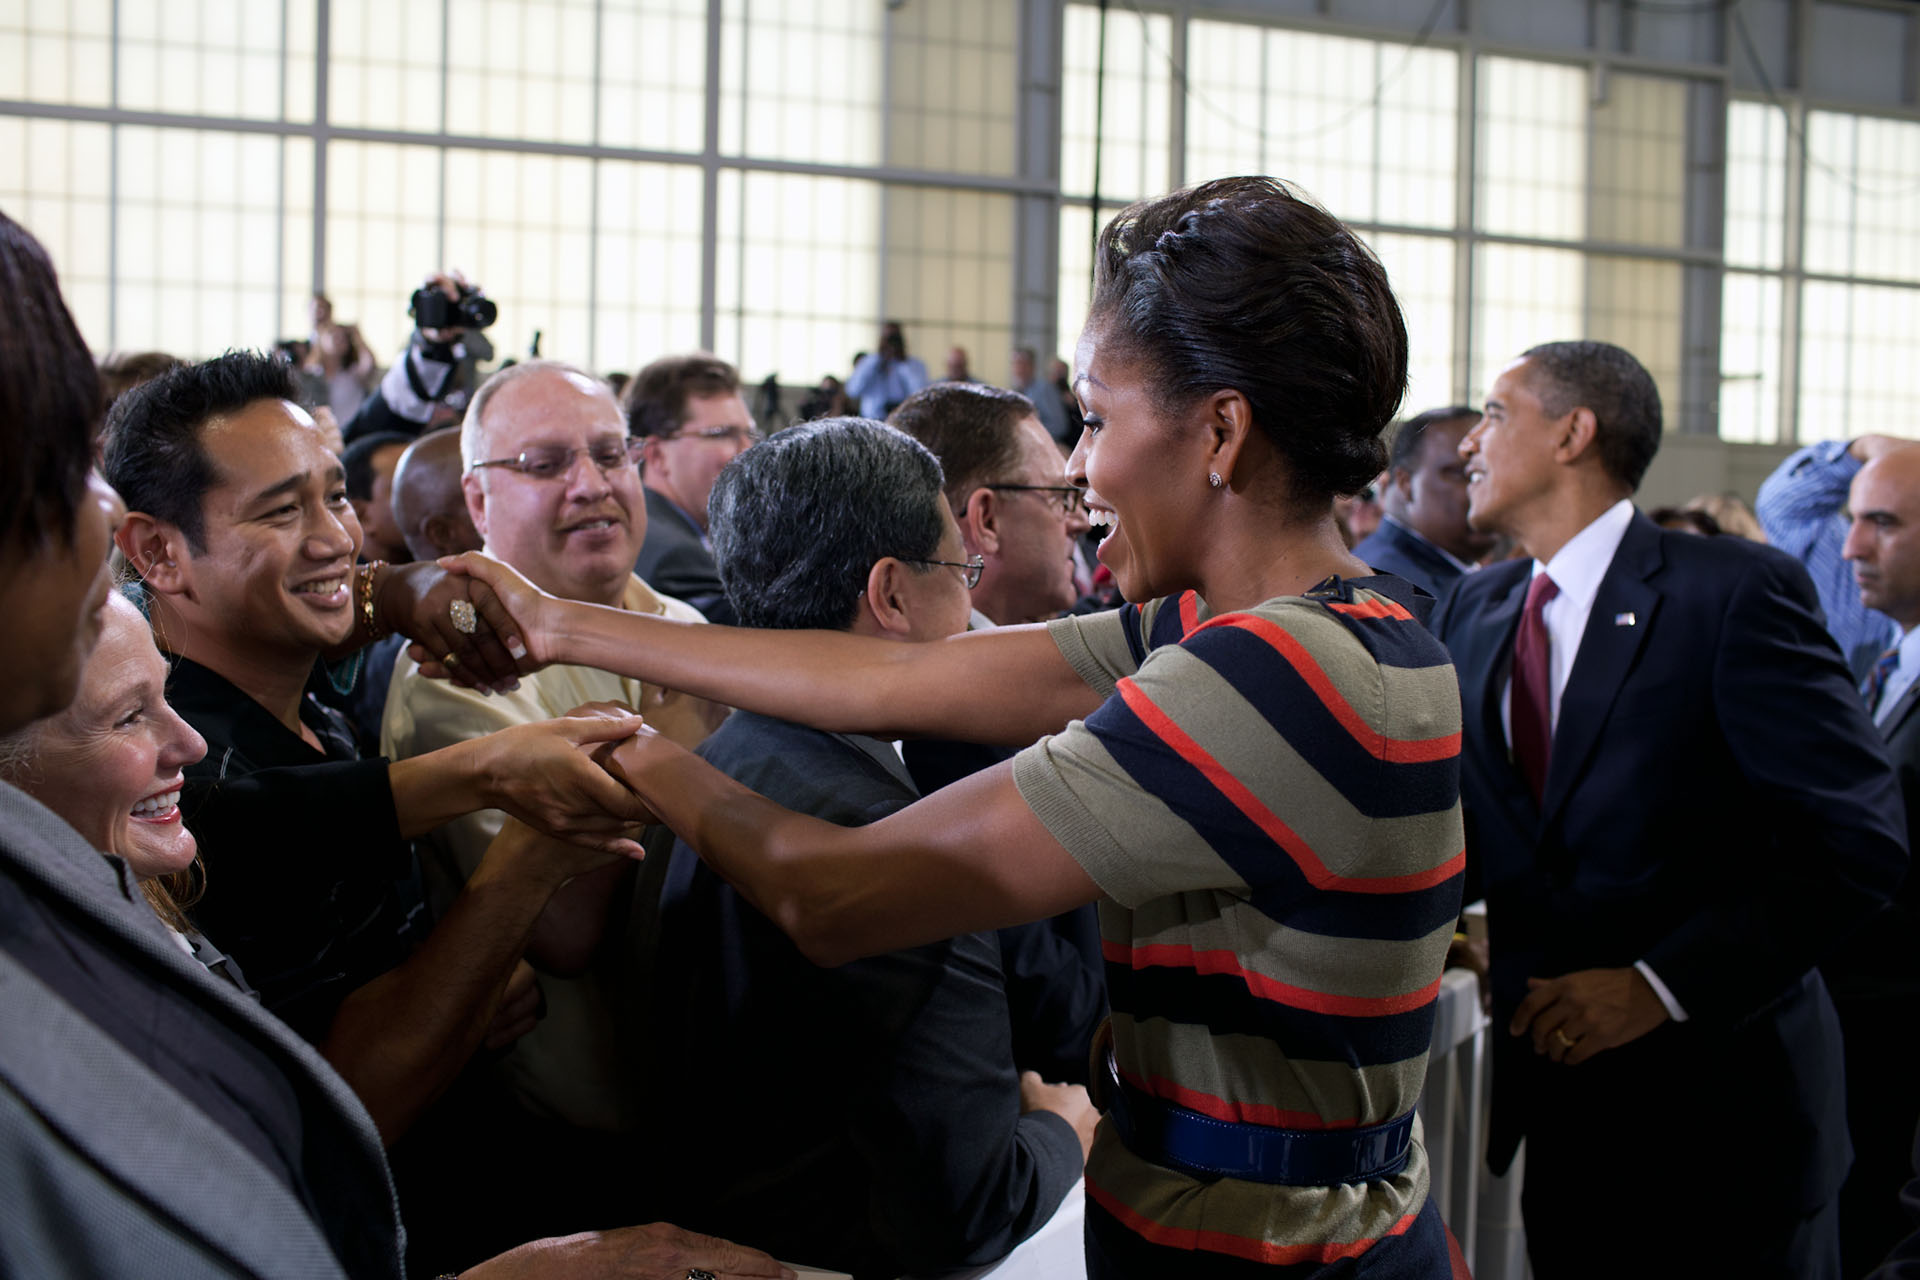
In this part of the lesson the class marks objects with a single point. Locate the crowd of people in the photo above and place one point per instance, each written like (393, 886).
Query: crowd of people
(538, 813)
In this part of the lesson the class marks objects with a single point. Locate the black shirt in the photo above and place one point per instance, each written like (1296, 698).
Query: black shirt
(310, 885)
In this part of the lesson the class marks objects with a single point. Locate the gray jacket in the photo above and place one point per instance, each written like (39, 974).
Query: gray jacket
(107, 1170)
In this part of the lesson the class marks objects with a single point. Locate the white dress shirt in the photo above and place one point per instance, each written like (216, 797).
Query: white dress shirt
(1901, 678)
(1577, 569)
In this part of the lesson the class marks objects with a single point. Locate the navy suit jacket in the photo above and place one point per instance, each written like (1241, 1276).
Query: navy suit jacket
(1393, 549)
(1882, 960)
(864, 1118)
(674, 561)
(1718, 805)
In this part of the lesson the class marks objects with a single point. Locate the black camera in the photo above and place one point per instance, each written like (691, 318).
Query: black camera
(432, 309)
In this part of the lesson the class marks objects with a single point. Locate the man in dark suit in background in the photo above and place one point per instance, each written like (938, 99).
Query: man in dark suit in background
(1424, 536)
(889, 1129)
(695, 421)
(1875, 978)
(1007, 489)
(1676, 806)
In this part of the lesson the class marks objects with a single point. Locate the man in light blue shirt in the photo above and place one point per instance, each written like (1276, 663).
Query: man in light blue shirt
(1045, 396)
(1801, 506)
(885, 377)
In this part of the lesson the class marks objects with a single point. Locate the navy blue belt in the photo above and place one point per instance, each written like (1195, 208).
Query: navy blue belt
(1180, 1138)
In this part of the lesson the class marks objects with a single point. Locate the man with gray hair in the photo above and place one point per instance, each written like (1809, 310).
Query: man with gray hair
(551, 485)
(895, 1134)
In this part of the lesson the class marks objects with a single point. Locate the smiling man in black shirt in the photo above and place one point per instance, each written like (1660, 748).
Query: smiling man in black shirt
(242, 534)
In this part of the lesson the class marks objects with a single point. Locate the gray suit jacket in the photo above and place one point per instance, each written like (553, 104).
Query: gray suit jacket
(107, 1170)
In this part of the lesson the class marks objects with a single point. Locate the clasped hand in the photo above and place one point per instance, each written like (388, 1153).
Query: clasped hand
(417, 600)
(553, 776)
(516, 619)
(1573, 1017)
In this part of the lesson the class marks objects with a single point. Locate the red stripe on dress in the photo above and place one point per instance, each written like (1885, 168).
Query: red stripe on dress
(1192, 1238)
(1235, 791)
(1237, 1112)
(1189, 612)
(1378, 607)
(1379, 745)
(1166, 955)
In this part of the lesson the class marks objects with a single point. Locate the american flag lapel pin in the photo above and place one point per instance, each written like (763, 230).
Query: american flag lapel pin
(1624, 619)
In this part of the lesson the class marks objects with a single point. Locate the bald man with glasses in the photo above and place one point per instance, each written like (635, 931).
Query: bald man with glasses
(552, 483)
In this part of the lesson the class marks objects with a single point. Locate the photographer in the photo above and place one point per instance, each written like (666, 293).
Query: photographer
(886, 377)
(428, 385)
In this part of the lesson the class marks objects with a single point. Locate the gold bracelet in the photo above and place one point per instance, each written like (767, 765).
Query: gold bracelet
(363, 588)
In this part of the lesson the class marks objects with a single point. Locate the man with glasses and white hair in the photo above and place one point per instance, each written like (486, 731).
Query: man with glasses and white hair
(692, 419)
(552, 483)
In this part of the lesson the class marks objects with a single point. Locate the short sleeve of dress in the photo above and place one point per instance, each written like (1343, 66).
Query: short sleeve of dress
(1103, 648)
(1099, 646)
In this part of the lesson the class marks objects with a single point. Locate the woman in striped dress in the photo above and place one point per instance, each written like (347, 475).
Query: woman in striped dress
(1254, 770)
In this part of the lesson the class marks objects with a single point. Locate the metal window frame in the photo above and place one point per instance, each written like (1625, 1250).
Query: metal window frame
(1034, 185)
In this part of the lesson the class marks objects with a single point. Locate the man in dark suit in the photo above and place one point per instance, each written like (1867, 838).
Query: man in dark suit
(694, 420)
(1676, 807)
(1875, 978)
(1424, 535)
(887, 1127)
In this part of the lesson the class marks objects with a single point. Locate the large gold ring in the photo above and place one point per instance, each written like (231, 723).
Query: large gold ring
(451, 661)
(463, 618)
(1561, 1038)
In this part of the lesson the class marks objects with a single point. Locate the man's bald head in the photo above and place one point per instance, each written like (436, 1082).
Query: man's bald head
(429, 505)
(1883, 542)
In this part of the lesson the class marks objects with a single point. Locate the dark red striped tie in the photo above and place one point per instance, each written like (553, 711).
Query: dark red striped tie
(1532, 706)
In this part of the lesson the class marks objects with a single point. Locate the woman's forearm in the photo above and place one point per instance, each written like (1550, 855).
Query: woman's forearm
(1008, 686)
(971, 856)
(436, 787)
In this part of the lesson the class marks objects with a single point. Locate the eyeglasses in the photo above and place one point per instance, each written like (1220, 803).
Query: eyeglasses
(969, 572)
(745, 437)
(551, 461)
(1068, 498)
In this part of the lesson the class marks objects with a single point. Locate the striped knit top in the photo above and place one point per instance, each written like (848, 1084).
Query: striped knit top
(1270, 802)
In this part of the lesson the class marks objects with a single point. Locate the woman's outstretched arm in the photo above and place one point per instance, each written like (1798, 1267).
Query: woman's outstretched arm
(1008, 686)
(969, 857)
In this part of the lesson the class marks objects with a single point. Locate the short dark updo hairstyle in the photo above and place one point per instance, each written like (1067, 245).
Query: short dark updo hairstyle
(1241, 284)
(50, 401)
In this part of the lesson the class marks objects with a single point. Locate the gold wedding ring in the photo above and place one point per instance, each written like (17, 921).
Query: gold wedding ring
(1561, 1038)
(451, 661)
(463, 617)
